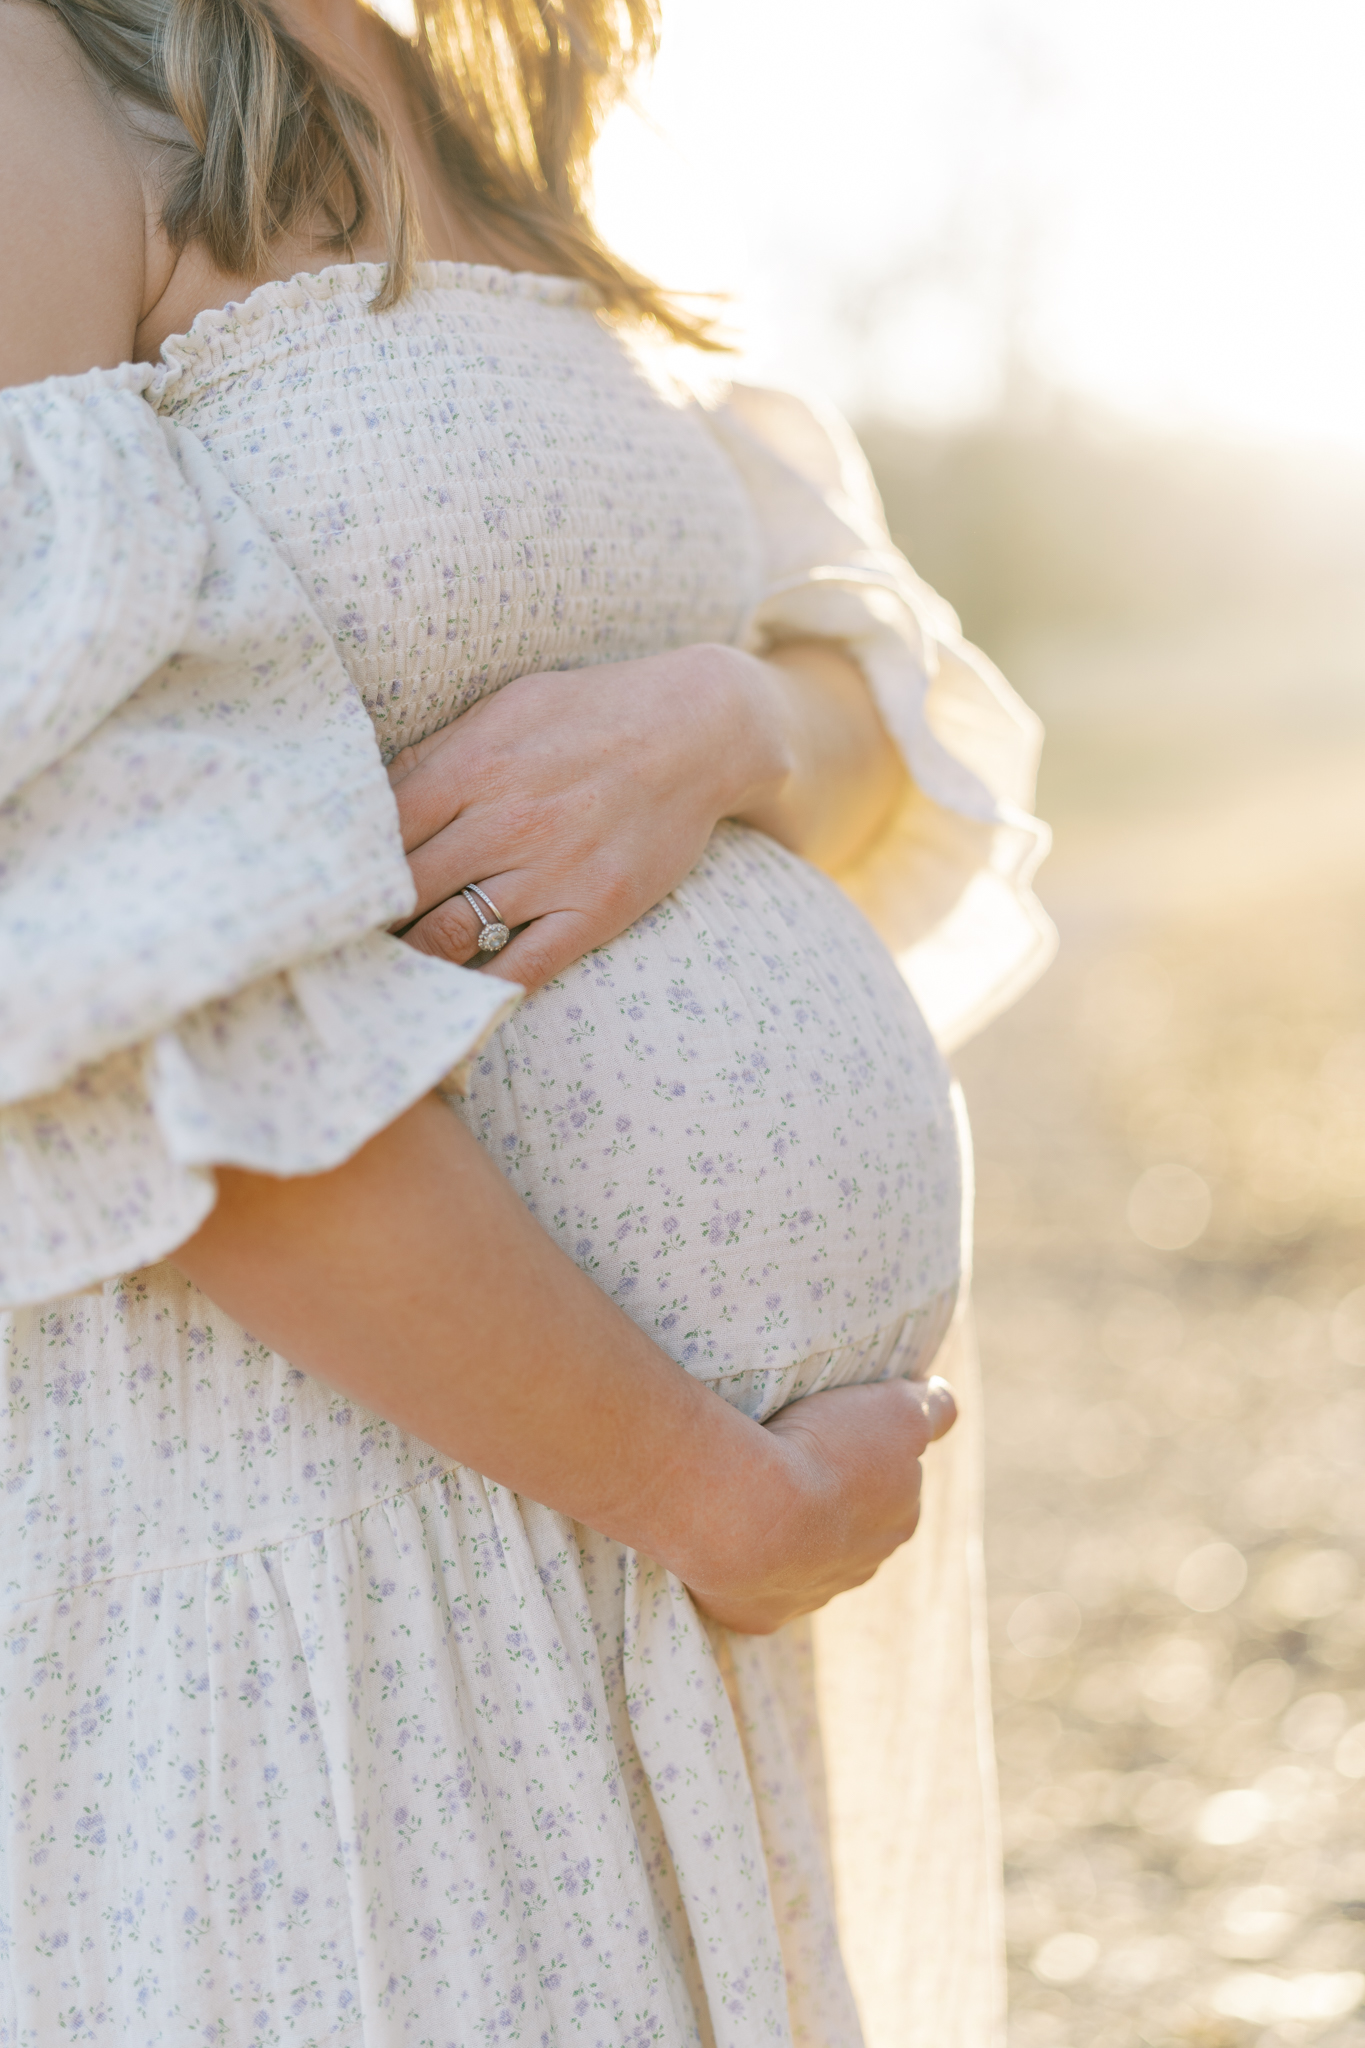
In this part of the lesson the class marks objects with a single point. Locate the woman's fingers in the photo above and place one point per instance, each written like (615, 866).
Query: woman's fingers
(451, 930)
(426, 787)
(469, 849)
(527, 838)
(932, 1408)
(940, 1407)
(853, 1456)
(545, 948)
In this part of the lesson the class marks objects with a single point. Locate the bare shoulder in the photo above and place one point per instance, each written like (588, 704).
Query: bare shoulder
(72, 213)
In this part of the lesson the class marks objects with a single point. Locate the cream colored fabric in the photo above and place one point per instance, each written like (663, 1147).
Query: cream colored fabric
(903, 1686)
(313, 535)
(903, 1682)
(947, 884)
(198, 847)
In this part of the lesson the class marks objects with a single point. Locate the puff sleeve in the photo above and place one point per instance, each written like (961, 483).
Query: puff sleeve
(199, 853)
(947, 883)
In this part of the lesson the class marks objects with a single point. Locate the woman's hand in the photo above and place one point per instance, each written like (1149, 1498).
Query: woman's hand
(413, 1279)
(843, 1493)
(578, 800)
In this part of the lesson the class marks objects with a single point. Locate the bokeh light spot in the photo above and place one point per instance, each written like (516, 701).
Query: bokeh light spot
(1314, 1722)
(1350, 1752)
(1310, 1585)
(1230, 1818)
(1263, 2000)
(1044, 1625)
(1211, 1577)
(1348, 1328)
(1169, 1207)
(1261, 1690)
(1066, 1958)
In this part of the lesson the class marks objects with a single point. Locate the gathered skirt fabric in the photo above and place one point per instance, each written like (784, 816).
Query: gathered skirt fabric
(313, 1738)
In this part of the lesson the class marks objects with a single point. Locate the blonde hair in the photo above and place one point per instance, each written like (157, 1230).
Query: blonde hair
(514, 94)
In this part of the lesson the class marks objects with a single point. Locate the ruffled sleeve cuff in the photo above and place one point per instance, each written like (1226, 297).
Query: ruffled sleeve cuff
(947, 883)
(191, 792)
(199, 851)
(115, 1169)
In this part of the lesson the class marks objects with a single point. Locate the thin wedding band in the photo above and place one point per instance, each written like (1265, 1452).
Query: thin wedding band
(493, 933)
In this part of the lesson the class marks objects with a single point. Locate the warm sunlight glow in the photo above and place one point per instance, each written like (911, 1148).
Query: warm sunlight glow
(1159, 206)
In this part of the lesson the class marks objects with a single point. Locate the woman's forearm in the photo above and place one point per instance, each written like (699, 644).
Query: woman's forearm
(414, 1280)
(844, 775)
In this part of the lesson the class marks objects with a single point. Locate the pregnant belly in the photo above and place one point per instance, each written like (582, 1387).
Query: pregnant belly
(734, 1118)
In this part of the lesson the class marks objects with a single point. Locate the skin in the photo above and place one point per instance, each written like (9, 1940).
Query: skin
(579, 800)
(413, 1279)
(411, 1276)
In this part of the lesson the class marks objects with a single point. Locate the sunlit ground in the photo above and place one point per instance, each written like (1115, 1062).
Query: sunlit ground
(1176, 1527)
(1171, 1271)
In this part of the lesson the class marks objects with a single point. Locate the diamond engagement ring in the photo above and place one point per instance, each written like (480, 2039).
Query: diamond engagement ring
(493, 933)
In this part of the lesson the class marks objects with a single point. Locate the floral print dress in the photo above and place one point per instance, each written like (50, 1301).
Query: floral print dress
(310, 1737)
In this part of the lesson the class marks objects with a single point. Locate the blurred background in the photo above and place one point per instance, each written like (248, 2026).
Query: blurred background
(1090, 280)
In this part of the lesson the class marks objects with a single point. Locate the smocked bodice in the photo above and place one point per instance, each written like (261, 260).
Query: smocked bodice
(479, 484)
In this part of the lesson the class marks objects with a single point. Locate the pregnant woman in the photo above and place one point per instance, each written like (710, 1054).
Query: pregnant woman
(431, 1412)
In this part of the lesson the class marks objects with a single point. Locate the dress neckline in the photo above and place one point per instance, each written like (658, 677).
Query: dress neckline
(212, 326)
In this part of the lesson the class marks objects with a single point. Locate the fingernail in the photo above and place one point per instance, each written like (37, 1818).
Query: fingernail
(940, 1404)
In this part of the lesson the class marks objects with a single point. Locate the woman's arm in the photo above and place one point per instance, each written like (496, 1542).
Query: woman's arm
(579, 799)
(841, 773)
(413, 1279)
(72, 210)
